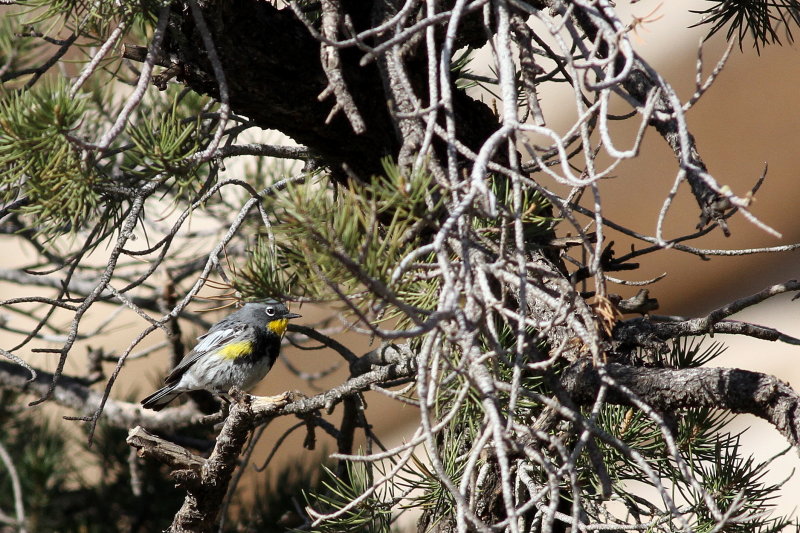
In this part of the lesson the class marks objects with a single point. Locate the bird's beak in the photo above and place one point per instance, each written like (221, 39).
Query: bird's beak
(291, 315)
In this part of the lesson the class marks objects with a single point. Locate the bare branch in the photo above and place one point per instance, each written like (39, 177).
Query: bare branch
(16, 488)
(152, 447)
(75, 394)
(638, 330)
(667, 390)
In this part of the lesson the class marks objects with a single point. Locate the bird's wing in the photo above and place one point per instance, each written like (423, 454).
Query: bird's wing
(212, 340)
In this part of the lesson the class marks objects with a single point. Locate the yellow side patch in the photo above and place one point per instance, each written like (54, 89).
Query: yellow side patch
(278, 327)
(235, 350)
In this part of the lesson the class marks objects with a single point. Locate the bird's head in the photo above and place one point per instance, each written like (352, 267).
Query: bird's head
(275, 314)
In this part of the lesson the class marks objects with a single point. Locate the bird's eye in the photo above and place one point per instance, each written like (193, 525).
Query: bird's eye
(270, 311)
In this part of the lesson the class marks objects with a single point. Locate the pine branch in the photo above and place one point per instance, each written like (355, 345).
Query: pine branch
(75, 394)
(286, 98)
(153, 447)
(668, 390)
(207, 483)
(642, 82)
(641, 331)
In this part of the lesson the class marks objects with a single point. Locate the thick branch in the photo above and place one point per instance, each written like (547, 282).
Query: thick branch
(164, 451)
(206, 493)
(74, 394)
(274, 75)
(667, 390)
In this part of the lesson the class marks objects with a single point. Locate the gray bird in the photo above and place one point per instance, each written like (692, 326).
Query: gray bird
(237, 351)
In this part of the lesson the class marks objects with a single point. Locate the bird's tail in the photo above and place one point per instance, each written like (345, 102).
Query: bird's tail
(160, 398)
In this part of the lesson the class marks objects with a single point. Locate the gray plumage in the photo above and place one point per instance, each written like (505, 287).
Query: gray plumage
(237, 351)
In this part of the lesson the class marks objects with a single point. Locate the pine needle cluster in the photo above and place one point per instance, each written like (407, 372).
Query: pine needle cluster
(328, 241)
(758, 19)
(38, 161)
(705, 443)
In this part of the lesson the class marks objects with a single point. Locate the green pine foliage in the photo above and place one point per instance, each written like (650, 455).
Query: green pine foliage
(46, 173)
(711, 451)
(87, 17)
(419, 475)
(37, 159)
(690, 352)
(460, 67)
(17, 51)
(535, 212)
(163, 140)
(737, 486)
(372, 515)
(64, 191)
(416, 486)
(331, 240)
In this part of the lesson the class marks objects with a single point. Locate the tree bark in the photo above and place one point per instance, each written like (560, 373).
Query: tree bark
(274, 76)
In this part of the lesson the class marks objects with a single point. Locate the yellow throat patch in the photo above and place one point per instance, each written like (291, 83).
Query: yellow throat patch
(278, 327)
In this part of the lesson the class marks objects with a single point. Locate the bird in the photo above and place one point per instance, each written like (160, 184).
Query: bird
(237, 351)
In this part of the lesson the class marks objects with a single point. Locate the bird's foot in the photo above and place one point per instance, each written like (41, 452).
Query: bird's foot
(236, 394)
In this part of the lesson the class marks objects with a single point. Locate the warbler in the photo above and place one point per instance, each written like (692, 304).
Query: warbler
(237, 351)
